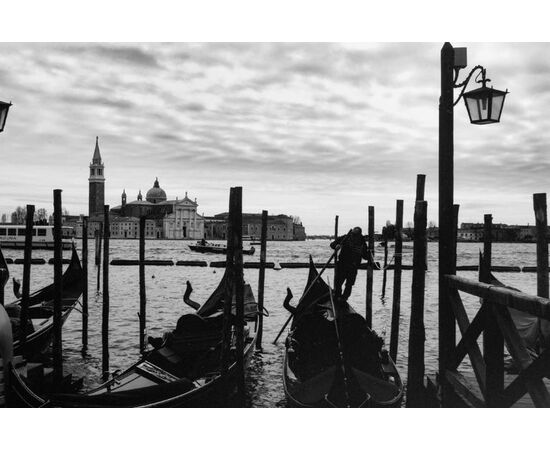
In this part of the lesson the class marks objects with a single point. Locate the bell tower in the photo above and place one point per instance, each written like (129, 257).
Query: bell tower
(96, 199)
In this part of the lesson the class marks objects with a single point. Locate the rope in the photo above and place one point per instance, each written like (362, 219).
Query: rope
(388, 265)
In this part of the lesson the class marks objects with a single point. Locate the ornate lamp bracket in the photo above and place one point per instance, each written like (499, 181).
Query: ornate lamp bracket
(464, 84)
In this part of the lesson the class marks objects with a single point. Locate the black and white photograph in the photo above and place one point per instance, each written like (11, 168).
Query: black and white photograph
(295, 224)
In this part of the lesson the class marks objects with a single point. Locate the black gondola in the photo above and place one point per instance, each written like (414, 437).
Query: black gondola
(183, 371)
(40, 326)
(332, 358)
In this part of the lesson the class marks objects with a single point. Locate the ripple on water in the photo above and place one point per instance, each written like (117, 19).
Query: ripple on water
(264, 379)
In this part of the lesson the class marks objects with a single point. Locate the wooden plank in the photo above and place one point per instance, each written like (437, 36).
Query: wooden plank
(469, 337)
(536, 388)
(464, 389)
(538, 369)
(474, 352)
(504, 296)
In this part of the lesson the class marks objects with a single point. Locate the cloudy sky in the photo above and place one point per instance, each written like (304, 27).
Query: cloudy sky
(312, 130)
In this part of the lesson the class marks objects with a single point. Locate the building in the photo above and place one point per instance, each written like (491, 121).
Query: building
(279, 228)
(96, 191)
(299, 232)
(96, 198)
(167, 219)
(474, 232)
(184, 222)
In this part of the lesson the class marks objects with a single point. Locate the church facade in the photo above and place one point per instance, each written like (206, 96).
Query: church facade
(164, 219)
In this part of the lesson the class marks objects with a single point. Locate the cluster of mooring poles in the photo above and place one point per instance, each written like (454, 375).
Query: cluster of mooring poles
(415, 376)
(494, 318)
(24, 318)
(234, 295)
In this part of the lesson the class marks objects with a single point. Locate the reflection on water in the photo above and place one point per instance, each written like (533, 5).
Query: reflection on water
(166, 285)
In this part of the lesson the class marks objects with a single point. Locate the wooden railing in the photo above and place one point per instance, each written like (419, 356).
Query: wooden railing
(489, 367)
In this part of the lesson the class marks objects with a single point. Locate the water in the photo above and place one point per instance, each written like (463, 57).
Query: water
(166, 285)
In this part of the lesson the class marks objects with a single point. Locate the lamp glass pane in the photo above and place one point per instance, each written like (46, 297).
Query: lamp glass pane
(498, 100)
(483, 105)
(3, 114)
(473, 110)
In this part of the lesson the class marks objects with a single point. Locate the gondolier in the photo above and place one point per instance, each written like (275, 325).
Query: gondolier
(353, 249)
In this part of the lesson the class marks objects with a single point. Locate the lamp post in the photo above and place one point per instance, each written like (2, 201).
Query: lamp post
(4, 107)
(484, 106)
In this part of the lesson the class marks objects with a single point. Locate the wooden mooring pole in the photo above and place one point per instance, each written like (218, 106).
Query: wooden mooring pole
(85, 284)
(337, 285)
(27, 255)
(105, 309)
(98, 235)
(447, 259)
(142, 294)
(261, 281)
(539, 205)
(417, 332)
(57, 348)
(385, 270)
(456, 210)
(541, 217)
(4, 275)
(493, 342)
(396, 305)
(239, 291)
(420, 187)
(370, 268)
(229, 293)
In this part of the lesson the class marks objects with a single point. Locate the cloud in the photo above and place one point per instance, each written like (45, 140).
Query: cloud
(309, 129)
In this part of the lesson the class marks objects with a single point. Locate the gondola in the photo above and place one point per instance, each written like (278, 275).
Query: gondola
(332, 358)
(40, 326)
(220, 249)
(528, 326)
(183, 370)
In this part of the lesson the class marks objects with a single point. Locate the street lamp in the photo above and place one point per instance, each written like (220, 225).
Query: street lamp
(484, 106)
(4, 107)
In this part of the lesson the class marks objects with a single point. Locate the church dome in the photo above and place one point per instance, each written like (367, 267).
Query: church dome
(156, 194)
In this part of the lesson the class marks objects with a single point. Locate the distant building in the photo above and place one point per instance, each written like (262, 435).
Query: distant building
(96, 191)
(299, 232)
(165, 219)
(279, 228)
(474, 232)
(168, 219)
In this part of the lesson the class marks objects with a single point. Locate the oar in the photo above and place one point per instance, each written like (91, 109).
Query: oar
(309, 287)
(307, 291)
(340, 347)
(303, 295)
